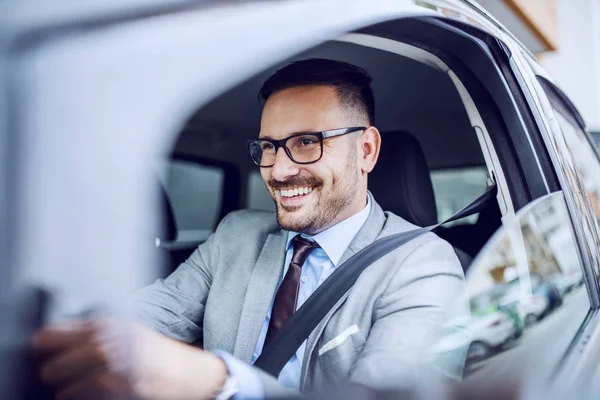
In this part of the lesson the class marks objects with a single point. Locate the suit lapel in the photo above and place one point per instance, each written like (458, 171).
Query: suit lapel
(370, 230)
(261, 289)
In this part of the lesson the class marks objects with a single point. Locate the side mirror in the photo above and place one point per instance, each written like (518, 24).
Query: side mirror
(526, 296)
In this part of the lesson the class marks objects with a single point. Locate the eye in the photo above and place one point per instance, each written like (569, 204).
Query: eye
(267, 146)
(307, 141)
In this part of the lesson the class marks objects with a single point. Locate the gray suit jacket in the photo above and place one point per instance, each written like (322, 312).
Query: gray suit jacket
(379, 334)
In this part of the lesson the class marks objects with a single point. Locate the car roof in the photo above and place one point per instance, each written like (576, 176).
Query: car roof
(23, 16)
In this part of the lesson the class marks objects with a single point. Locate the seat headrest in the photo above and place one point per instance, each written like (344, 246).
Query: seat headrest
(401, 182)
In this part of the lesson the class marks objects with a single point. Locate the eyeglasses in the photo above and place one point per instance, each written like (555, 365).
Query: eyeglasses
(301, 148)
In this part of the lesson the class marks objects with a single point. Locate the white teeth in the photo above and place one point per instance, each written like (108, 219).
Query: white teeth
(295, 192)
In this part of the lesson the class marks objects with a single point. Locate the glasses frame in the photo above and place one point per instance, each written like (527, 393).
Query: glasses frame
(320, 135)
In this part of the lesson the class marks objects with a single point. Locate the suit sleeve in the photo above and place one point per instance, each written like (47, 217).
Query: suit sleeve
(418, 307)
(175, 306)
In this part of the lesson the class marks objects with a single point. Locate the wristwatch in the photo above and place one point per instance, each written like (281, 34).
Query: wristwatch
(229, 389)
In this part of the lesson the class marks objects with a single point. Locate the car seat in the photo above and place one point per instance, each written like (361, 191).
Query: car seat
(401, 183)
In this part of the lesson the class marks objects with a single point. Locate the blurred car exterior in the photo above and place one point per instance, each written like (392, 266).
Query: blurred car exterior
(549, 291)
(532, 303)
(564, 283)
(491, 326)
(489, 333)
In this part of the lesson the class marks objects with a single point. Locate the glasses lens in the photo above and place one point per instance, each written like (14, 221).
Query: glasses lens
(262, 152)
(304, 148)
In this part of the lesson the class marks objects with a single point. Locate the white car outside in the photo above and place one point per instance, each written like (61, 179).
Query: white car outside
(529, 306)
(485, 334)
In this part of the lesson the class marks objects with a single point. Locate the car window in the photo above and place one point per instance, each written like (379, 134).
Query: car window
(581, 167)
(586, 160)
(526, 287)
(455, 188)
(258, 197)
(195, 193)
(596, 139)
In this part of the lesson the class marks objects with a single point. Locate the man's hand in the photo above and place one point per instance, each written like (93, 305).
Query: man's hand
(109, 359)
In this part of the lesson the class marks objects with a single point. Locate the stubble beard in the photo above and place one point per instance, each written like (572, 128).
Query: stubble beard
(329, 207)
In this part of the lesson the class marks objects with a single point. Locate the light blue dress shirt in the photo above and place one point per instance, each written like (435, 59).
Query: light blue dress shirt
(318, 266)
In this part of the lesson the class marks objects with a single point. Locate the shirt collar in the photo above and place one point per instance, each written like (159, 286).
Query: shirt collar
(336, 239)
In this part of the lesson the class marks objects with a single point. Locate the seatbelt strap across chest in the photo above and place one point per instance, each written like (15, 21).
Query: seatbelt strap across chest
(300, 325)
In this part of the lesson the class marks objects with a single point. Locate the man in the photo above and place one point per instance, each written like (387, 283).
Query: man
(316, 147)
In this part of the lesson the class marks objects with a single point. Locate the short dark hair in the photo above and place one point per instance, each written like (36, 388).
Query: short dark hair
(352, 83)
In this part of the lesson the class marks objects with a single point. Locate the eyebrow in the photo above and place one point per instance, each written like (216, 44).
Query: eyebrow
(267, 137)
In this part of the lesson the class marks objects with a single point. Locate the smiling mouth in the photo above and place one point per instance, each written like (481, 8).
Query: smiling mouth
(295, 192)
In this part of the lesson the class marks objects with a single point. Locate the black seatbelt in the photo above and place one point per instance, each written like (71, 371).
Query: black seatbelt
(300, 325)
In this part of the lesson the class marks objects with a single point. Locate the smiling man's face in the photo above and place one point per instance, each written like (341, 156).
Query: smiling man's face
(313, 197)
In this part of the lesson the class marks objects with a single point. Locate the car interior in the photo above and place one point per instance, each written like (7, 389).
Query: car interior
(430, 166)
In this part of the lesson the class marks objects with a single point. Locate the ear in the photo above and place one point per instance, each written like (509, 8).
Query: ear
(369, 145)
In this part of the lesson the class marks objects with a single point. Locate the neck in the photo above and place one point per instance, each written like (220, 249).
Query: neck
(354, 208)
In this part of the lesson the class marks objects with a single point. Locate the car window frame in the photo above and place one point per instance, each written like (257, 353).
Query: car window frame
(530, 151)
(517, 153)
(558, 105)
(530, 73)
(580, 360)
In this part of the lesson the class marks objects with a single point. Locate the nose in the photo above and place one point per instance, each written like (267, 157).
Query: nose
(284, 167)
